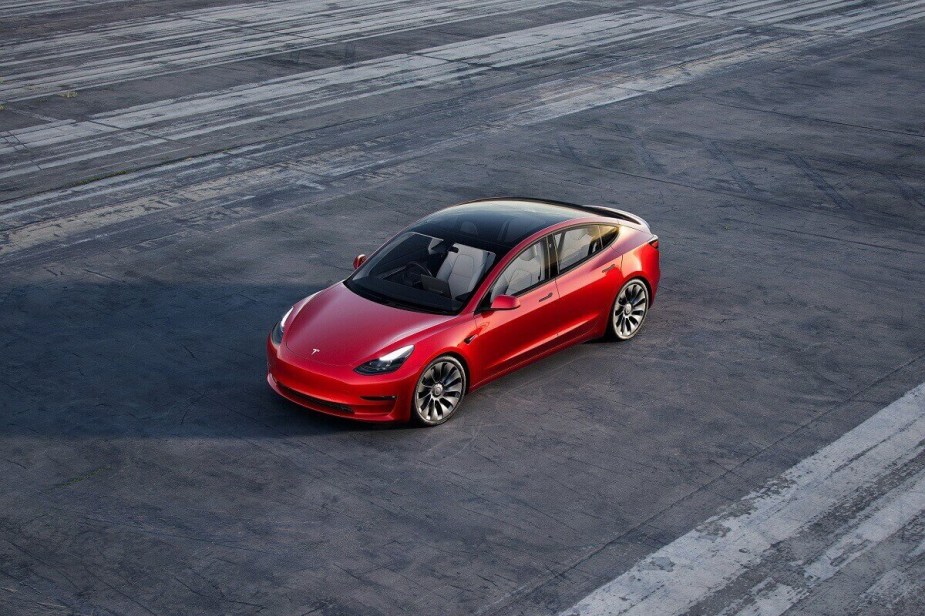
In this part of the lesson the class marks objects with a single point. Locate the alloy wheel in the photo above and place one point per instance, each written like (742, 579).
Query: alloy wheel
(629, 310)
(439, 391)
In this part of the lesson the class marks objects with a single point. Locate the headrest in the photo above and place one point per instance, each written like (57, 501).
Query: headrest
(529, 254)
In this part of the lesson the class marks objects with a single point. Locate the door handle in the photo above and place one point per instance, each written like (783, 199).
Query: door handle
(608, 268)
(547, 296)
(473, 335)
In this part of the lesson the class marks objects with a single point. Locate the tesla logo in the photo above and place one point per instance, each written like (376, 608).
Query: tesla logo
(315, 351)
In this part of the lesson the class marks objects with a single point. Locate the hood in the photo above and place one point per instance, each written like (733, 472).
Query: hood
(339, 327)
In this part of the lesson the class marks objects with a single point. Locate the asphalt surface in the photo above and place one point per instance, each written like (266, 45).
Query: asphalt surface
(174, 175)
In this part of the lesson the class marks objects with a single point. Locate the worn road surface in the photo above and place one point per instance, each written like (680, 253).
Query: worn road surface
(175, 174)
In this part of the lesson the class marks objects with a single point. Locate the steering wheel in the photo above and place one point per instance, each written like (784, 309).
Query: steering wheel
(410, 271)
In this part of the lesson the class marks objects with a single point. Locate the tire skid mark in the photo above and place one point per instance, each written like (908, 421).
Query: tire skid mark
(639, 148)
(819, 181)
(717, 152)
(908, 192)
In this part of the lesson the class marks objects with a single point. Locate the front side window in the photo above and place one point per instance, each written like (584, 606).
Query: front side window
(578, 243)
(530, 268)
(422, 272)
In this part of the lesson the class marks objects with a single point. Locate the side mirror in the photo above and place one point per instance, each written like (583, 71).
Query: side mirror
(358, 261)
(505, 302)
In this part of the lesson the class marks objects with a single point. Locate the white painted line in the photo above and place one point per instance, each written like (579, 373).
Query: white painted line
(724, 547)
(888, 515)
(20, 9)
(209, 112)
(889, 589)
(735, 8)
(867, 18)
(802, 11)
(867, 529)
(893, 20)
(817, 14)
(189, 40)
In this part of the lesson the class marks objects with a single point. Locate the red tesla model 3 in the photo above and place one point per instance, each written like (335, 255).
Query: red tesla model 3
(458, 299)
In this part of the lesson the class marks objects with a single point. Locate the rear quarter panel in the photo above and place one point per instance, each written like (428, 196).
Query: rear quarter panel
(640, 259)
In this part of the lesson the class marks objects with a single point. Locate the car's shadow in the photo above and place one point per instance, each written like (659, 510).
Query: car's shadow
(146, 360)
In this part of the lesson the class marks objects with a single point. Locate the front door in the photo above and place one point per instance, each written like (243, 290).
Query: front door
(509, 338)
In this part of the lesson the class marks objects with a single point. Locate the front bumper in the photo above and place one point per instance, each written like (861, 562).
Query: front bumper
(338, 390)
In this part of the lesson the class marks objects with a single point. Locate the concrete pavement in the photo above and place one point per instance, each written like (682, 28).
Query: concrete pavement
(173, 175)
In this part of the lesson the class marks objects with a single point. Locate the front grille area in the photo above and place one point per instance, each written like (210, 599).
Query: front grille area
(313, 401)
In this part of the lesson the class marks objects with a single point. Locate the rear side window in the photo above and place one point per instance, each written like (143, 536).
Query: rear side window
(608, 234)
(578, 243)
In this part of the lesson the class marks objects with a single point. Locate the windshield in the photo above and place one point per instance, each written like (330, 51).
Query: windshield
(422, 272)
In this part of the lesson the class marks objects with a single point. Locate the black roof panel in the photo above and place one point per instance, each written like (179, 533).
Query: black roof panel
(496, 225)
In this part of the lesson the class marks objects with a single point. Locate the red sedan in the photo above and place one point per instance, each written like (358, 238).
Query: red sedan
(460, 298)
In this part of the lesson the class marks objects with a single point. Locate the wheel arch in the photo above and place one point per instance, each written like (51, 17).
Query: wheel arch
(455, 354)
(640, 275)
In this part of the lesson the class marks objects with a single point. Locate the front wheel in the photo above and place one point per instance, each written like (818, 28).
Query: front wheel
(439, 391)
(629, 310)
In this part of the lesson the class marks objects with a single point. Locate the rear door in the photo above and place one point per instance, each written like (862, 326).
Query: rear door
(589, 274)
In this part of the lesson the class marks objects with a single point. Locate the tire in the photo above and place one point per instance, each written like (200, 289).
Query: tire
(628, 311)
(447, 377)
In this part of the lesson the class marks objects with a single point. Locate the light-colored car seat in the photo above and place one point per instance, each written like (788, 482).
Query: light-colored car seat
(524, 272)
(462, 269)
(576, 245)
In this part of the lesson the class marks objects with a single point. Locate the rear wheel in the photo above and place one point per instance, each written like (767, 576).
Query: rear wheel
(629, 310)
(439, 391)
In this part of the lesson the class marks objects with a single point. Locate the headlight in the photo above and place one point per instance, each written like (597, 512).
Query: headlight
(387, 363)
(277, 334)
